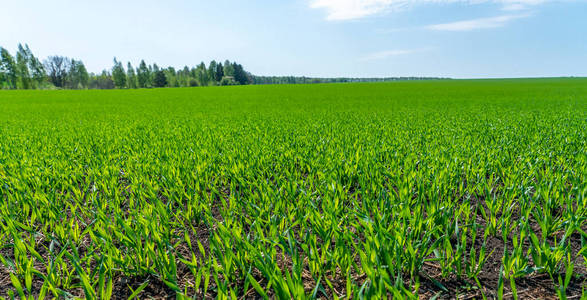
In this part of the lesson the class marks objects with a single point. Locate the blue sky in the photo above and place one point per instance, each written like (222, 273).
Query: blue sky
(327, 38)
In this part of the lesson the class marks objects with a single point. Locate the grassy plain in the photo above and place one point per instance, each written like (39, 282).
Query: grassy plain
(456, 188)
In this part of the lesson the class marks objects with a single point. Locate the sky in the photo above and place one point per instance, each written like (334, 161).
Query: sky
(317, 38)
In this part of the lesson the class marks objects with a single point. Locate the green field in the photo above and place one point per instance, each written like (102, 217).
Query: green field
(456, 188)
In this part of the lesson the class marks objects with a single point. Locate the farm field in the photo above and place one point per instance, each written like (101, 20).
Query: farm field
(449, 189)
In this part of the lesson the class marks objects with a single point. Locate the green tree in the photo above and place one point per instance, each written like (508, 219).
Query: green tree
(153, 69)
(227, 80)
(77, 77)
(2, 79)
(57, 68)
(36, 68)
(240, 75)
(102, 81)
(172, 78)
(219, 72)
(184, 76)
(228, 69)
(143, 75)
(202, 74)
(118, 75)
(159, 79)
(212, 71)
(22, 69)
(7, 69)
(132, 77)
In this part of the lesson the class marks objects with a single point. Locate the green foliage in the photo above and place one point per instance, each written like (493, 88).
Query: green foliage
(36, 68)
(8, 69)
(312, 80)
(159, 80)
(22, 69)
(228, 69)
(57, 70)
(171, 77)
(102, 81)
(64, 72)
(143, 75)
(240, 75)
(219, 74)
(118, 75)
(227, 80)
(77, 77)
(27, 72)
(201, 74)
(361, 191)
(131, 77)
(212, 67)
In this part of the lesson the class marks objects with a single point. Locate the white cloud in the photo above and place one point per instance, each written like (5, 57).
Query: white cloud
(386, 54)
(352, 9)
(482, 23)
(338, 10)
(514, 6)
(519, 4)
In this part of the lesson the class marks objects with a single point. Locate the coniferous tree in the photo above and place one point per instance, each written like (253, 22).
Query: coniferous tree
(219, 72)
(240, 75)
(159, 79)
(212, 71)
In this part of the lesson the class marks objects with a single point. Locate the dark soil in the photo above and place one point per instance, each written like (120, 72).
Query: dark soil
(432, 284)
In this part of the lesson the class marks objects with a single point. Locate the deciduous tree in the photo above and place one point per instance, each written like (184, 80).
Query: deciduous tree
(228, 69)
(131, 77)
(118, 75)
(57, 67)
(77, 77)
(7, 69)
(22, 69)
(36, 68)
(143, 75)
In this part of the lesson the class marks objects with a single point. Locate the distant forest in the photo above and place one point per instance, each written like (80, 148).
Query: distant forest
(308, 80)
(25, 71)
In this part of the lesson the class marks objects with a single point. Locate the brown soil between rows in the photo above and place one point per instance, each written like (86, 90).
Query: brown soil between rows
(432, 284)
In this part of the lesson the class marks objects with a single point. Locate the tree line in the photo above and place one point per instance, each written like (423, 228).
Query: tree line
(25, 71)
(310, 80)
